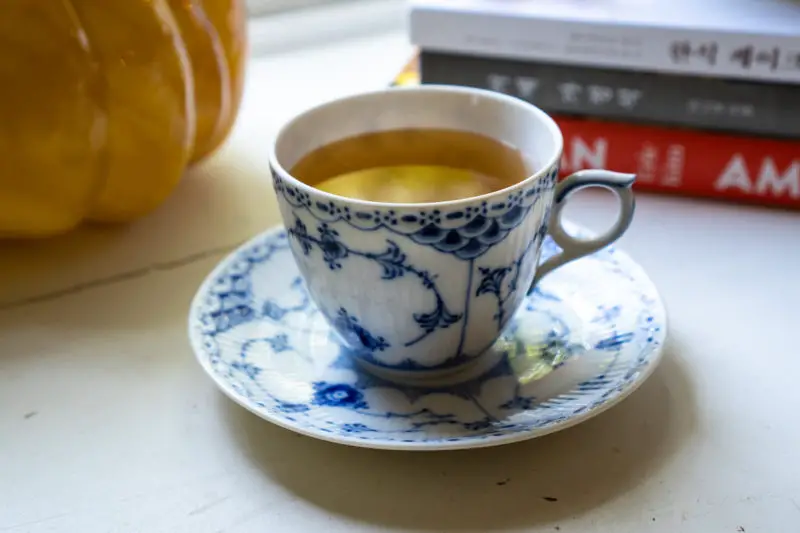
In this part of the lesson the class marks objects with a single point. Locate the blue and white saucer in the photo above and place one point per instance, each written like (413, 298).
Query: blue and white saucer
(588, 337)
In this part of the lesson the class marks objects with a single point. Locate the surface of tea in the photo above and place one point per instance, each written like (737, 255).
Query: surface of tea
(413, 166)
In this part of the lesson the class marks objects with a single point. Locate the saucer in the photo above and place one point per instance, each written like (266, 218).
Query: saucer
(587, 337)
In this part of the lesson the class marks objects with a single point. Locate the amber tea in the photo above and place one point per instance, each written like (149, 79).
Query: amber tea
(413, 166)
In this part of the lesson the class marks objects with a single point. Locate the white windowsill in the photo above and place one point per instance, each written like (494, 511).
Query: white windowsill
(259, 8)
(324, 24)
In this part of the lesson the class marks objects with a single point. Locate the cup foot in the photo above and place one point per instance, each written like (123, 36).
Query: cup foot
(436, 378)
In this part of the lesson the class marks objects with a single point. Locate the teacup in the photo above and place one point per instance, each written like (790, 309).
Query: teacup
(423, 290)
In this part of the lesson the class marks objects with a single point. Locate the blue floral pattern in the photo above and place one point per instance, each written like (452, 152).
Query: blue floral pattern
(258, 334)
(393, 263)
(502, 282)
(323, 232)
(337, 395)
(356, 335)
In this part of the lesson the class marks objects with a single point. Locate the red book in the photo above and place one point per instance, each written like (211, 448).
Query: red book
(695, 163)
(680, 161)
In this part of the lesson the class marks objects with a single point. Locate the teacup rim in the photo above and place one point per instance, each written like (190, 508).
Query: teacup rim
(546, 119)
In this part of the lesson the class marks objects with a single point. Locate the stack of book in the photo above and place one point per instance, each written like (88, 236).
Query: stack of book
(698, 97)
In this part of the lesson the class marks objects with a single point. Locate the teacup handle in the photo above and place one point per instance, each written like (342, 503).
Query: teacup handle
(572, 248)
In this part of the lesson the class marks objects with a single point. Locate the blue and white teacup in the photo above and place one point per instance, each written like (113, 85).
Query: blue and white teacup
(421, 290)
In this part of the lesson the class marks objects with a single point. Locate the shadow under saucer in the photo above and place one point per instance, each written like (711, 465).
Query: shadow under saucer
(542, 481)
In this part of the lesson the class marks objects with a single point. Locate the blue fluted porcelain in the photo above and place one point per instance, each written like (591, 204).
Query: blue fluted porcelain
(423, 290)
(587, 336)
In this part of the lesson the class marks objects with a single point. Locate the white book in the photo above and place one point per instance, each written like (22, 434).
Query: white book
(744, 39)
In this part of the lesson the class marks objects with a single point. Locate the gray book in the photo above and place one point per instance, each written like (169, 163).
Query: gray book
(671, 100)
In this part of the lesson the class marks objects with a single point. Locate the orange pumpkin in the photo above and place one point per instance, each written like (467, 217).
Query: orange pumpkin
(104, 104)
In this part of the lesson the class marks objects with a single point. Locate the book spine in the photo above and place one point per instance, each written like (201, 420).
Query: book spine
(771, 58)
(703, 103)
(742, 169)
